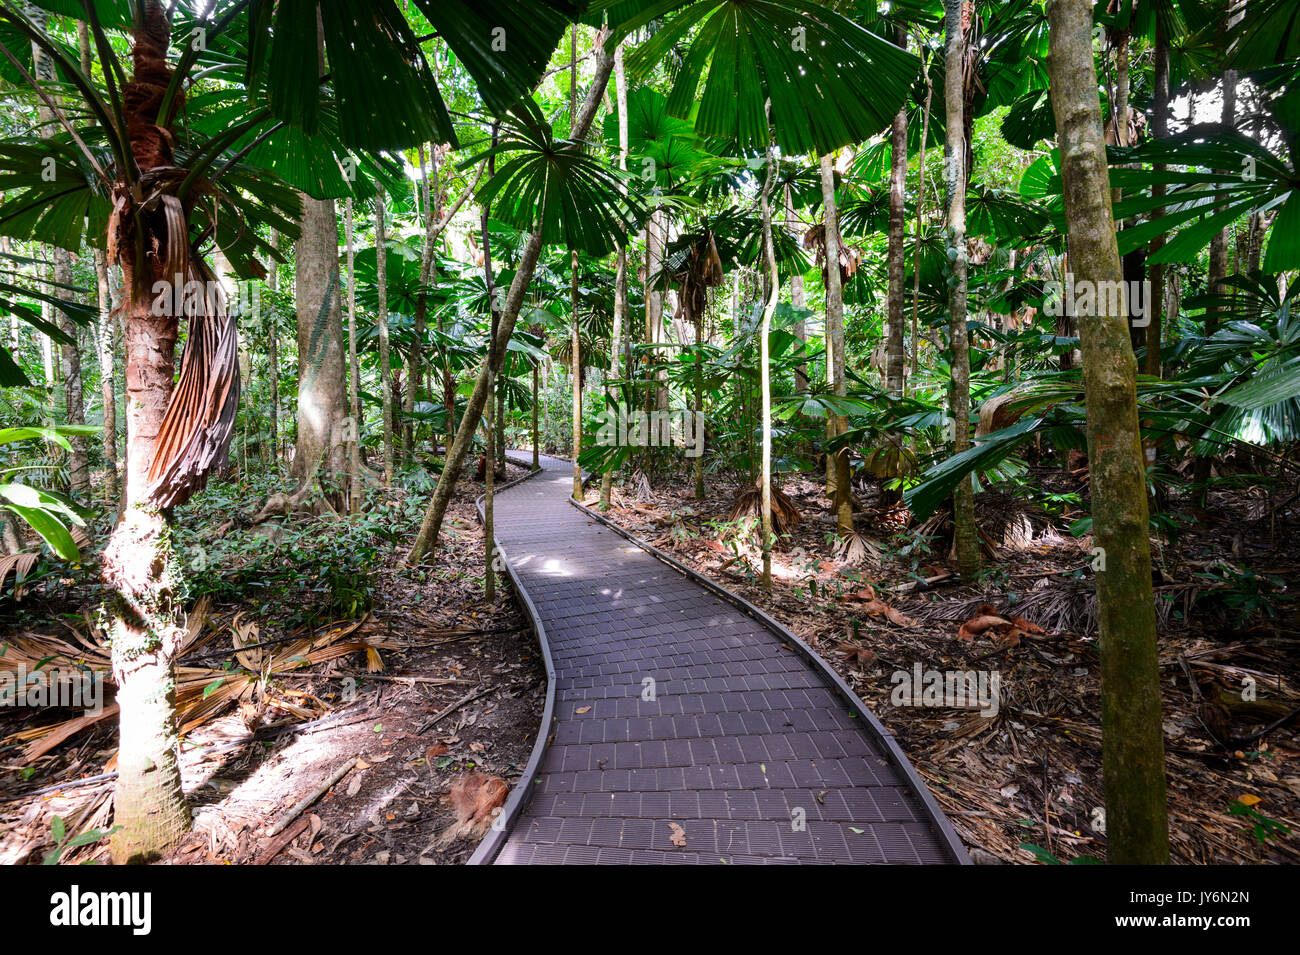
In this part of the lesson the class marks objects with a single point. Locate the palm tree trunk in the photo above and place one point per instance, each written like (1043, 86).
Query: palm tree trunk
(107, 378)
(837, 424)
(765, 370)
(920, 221)
(537, 451)
(965, 538)
(620, 273)
(385, 353)
(1133, 761)
(431, 524)
(1159, 129)
(798, 299)
(142, 577)
(894, 360)
(356, 492)
(415, 361)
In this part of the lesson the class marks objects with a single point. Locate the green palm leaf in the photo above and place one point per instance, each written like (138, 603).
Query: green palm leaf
(829, 80)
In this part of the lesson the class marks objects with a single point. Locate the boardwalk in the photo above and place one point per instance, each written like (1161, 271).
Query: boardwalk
(685, 730)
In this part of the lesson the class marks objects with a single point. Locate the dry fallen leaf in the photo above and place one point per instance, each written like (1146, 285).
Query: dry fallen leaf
(854, 653)
(475, 797)
(582, 709)
(973, 627)
(678, 836)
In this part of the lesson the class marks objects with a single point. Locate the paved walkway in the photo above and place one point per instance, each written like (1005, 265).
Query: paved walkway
(738, 741)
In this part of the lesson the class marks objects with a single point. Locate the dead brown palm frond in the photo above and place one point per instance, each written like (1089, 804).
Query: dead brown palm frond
(850, 258)
(748, 504)
(700, 270)
(854, 549)
(200, 419)
(20, 565)
(639, 486)
(202, 692)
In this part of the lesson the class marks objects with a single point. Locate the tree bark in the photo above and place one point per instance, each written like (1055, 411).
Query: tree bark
(381, 318)
(838, 464)
(431, 524)
(765, 367)
(1160, 130)
(107, 378)
(1133, 745)
(620, 270)
(894, 359)
(321, 399)
(356, 491)
(143, 578)
(965, 537)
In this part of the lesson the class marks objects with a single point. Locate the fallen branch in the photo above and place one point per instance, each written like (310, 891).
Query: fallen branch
(447, 711)
(300, 806)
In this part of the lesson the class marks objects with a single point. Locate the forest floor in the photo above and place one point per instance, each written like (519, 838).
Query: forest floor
(421, 643)
(1030, 774)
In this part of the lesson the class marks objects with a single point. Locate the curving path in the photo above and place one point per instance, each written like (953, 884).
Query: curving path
(756, 753)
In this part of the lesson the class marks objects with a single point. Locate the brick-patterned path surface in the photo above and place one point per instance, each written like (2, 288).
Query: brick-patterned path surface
(744, 745)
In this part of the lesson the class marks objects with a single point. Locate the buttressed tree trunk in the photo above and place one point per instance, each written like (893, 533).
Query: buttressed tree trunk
(1133, 761)
(433, 514)
(965, 538)
(894, 360)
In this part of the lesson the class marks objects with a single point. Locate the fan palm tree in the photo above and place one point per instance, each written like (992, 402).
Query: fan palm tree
(163, 197)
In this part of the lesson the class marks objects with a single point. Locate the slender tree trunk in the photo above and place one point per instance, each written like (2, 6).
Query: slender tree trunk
(385, 352)
(1217, 273)
(620, 272)
(1133, 761)
(920, 222)
(356, 491)
(273, 356)
(434, 513)
(537, 451)
(798, 299)
(415, 362)
(839, 462)
(575, 361)
(107, 378)
(894, 358)
(1159, 129)
(74, 396)
(765, 368)
(965, 538)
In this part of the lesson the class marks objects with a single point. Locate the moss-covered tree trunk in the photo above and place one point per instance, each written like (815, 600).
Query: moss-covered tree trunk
(965, 537)
(1133, 761)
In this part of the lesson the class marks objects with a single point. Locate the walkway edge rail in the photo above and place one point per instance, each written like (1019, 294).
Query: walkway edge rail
(522, 791)
(896, 756)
